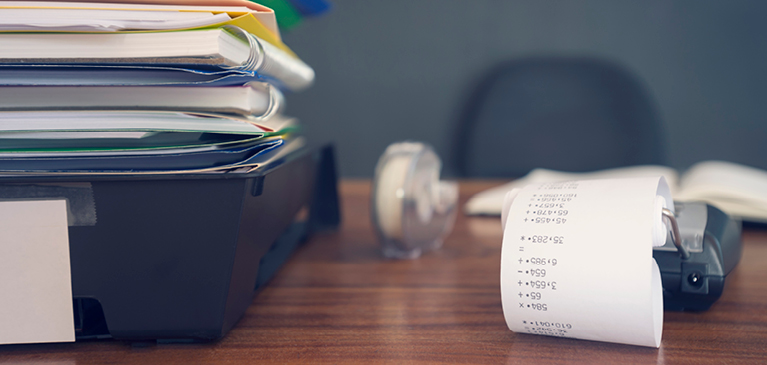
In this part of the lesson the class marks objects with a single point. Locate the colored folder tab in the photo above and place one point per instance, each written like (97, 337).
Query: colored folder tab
(264, 14)
(287, 16)
(253, 18)
(311, 7)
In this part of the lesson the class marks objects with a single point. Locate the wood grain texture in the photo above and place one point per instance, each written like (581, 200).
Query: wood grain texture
(339, 301)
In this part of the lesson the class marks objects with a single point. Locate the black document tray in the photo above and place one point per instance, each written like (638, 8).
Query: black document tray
(179, 257)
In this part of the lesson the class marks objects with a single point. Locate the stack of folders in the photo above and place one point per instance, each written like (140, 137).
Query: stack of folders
(143, 87)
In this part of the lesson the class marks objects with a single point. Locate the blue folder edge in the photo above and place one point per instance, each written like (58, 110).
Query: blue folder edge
(124, 75)
(232, 157)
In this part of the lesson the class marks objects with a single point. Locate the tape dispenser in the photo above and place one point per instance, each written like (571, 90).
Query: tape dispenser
(412, 210)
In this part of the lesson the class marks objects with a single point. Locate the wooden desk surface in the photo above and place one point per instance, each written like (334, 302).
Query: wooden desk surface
(338, 300)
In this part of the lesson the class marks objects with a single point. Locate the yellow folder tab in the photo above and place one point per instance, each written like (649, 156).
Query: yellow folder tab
(264, 14)
(254, 18)
(251, 25)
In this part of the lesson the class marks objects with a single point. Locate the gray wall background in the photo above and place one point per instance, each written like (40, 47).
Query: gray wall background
(402, 69)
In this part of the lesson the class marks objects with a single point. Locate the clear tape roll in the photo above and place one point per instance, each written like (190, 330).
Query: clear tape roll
(389, 195)
(412, 209)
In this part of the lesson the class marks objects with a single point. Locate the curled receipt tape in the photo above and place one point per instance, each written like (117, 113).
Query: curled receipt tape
(577, 259)
(659, 229)
(412, 210)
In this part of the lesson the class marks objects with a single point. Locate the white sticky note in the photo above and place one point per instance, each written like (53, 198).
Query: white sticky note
(577, 260)
(35, 276)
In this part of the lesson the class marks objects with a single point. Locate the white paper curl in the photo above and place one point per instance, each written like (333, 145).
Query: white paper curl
(577, 260)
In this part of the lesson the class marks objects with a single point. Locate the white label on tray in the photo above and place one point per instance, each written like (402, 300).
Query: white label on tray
(35, 277)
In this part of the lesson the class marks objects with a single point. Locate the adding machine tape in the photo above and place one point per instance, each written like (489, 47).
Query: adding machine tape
(577, 259)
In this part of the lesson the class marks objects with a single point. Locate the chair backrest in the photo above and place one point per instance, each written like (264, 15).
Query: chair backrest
(562, 113)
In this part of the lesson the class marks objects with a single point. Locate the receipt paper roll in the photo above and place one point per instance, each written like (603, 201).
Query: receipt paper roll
(577, 260)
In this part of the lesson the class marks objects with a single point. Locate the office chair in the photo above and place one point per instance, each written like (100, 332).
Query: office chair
(564, 113)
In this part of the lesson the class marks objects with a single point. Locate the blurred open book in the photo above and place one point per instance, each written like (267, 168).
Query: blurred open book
(739, 190)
